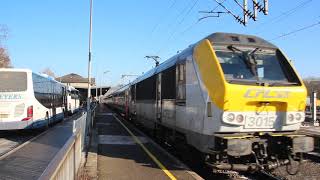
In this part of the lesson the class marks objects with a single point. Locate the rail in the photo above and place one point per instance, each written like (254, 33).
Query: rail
(67, 162)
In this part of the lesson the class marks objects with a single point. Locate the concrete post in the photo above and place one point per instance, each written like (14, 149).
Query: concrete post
(314, 108)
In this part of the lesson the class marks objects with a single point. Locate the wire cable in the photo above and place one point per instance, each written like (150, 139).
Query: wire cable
(159, 22)
(296, 31)
(284, 15)
(179, 23)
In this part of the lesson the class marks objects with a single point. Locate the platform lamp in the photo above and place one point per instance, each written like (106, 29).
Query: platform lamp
(89, 60)
(128, 75)
(104, 73)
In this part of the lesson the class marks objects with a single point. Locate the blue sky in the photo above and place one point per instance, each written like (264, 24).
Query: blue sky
(54, 33)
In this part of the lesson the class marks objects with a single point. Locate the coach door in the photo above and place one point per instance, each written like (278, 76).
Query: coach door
(158, 99)
(168, 94)
(132, 100)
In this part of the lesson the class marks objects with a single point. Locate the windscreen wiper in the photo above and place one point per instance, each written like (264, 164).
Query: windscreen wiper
(248, 58)
(283, 83)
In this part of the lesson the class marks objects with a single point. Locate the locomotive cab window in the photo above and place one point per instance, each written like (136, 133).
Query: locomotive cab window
(256, 66)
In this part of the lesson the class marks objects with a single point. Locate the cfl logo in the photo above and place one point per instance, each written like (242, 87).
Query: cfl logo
(258, 93)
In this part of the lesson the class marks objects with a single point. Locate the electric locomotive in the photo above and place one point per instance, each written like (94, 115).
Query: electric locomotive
(235, 98)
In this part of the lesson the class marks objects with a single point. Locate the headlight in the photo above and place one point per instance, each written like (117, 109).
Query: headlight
(233, 118)
(239, 118)
(290, 117)
(298, 116)
(294, 117)
(230, 117)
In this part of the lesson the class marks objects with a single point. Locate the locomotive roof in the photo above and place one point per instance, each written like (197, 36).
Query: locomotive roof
(165, 65)
(239, 39)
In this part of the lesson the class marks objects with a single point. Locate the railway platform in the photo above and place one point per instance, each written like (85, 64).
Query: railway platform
(124, 152)
(30, 159)
(311, 130)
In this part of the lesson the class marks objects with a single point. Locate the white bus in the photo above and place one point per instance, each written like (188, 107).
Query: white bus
(73, 100)
(30, 100)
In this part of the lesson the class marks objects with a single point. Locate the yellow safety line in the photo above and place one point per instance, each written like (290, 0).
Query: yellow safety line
(163, 168)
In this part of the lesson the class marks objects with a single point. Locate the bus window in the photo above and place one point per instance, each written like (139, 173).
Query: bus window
(13, 81)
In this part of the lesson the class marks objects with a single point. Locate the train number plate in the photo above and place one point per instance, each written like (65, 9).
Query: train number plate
(260, 121)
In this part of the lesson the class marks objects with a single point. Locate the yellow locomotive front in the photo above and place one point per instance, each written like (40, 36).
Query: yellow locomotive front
(258, 100)
(253, 84)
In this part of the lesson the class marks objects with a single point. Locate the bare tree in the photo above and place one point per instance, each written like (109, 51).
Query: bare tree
(48, 72)
(4, 32)
(4, 59)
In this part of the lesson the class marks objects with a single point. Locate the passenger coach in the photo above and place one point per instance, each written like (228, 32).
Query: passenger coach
(30, 100)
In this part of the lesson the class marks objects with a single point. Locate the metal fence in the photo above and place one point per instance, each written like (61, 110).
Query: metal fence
(66, 163)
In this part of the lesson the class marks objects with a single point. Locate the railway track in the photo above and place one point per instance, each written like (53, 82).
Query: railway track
(309, 167)
(263, 175)
(12, 140)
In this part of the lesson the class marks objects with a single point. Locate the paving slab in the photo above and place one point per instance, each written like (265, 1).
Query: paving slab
(31, 160)
(121, 157)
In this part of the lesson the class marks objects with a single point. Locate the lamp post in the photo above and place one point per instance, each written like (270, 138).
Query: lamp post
(89, 61)
(128, 75)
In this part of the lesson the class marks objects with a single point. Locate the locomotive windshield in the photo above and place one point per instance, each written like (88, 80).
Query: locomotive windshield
(256, 66)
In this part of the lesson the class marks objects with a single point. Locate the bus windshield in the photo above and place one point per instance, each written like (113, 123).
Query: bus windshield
(256, 66)
(13, 81)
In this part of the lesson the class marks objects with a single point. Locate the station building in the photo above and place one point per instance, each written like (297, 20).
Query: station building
(81, 84)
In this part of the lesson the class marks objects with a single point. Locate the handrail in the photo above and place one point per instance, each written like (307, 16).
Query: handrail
(56, 163)
(70, 155)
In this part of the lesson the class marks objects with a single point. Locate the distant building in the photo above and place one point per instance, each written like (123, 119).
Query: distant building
(81, 84)
(313, 85)
(76, 81)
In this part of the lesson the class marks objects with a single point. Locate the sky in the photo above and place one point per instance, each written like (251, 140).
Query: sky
(55, 33)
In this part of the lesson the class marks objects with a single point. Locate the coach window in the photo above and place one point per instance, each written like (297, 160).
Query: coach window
(133, 93)
(181, 82)
(168, 83)
(146, 89)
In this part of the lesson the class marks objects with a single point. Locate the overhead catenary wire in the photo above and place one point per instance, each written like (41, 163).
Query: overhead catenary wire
(182, 20)
(159, 22)
(216, 13)
(197, 22)
(296, 31)
(283, 15)
(180, 14)
(246, 11)
(179, 23)
(241, 21)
